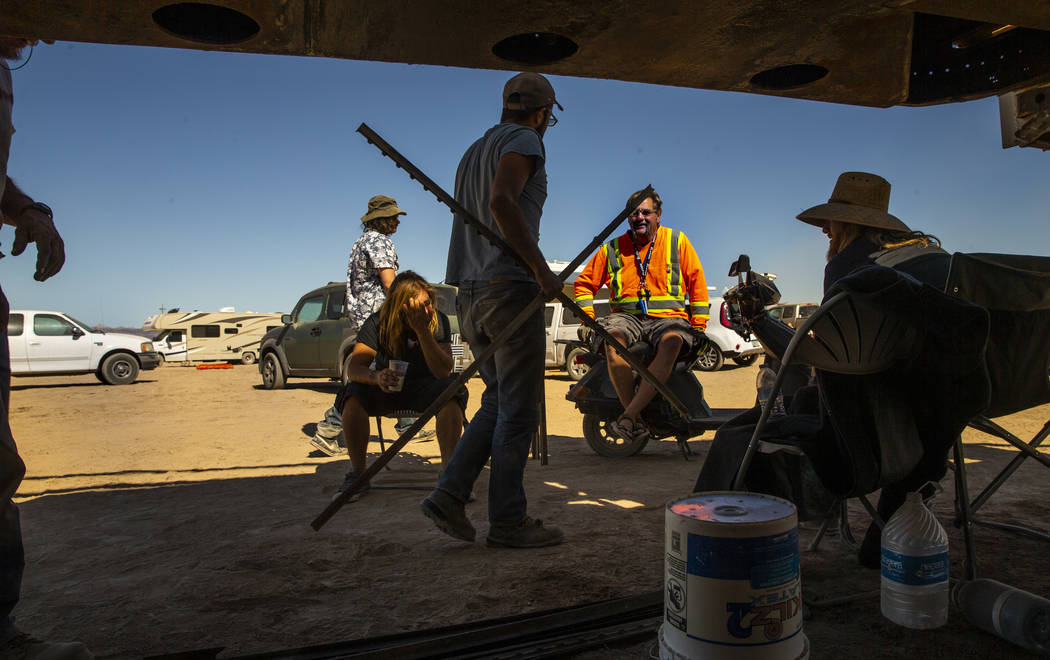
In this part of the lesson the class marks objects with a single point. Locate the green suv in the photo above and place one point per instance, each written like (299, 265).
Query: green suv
(316, 339)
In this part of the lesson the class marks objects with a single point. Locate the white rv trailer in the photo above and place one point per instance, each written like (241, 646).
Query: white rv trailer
(225, 335)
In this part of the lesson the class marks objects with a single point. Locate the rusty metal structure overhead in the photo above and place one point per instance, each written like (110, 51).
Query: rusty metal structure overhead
(862, 52)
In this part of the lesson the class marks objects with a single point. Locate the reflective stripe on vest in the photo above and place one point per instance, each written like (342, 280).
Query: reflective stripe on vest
(700, 309)
(613, 263)
(674, 269)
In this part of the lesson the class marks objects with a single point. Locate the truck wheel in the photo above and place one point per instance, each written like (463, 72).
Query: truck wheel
(710, 359)
(745, 360)
(604, 443)
(575, 371)
(272, 373)
(119, 369)
(247, 358)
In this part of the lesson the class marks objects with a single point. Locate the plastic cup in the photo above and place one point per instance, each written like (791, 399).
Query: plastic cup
(400, 368)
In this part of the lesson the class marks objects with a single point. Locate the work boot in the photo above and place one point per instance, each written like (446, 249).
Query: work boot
(529, 533)
(448, 515)
(349, 480)
(23, 646)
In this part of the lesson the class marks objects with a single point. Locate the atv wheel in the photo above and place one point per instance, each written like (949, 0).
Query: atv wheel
(604, 443)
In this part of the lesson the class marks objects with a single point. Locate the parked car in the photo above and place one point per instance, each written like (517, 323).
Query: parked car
(793, 314)
(563, 344)
(44, 343)
(726, 340)
(316, 339)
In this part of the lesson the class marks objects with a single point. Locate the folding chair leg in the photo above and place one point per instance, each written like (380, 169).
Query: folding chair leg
(964, 516)
(1012, 466)
(379, 432)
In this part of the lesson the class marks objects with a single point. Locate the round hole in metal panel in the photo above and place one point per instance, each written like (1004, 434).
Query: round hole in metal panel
(535, 48)
(788, 77)
(205, 23)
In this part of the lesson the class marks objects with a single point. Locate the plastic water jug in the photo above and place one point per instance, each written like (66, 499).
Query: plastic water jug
(1015, 615)
(764, 387)
(914, 567)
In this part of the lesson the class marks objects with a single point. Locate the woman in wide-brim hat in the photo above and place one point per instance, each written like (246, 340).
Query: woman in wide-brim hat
(862, 232)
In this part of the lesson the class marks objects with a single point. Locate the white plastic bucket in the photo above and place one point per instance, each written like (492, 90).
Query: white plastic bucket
(731, 579)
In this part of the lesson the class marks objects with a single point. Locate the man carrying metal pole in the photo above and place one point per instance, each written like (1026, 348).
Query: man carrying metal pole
(501, 180)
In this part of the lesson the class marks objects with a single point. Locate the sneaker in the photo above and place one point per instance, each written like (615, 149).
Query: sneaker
(349, 480)
(23, 646)
(448, 515)
(529, 533)
(424, 433)
(329, 447)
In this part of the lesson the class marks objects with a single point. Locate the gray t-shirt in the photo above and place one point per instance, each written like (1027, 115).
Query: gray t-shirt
(470, 256)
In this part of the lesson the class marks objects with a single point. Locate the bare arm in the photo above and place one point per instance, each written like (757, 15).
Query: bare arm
(360, 370)
(386, 277)
(512, 172)
(32, 225)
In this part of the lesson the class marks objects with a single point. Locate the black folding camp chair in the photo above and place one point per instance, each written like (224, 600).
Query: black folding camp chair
(851, 333)
(892, 395)
(1015, 290)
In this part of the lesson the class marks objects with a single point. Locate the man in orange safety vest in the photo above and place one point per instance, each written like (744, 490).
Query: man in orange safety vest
(650, 271)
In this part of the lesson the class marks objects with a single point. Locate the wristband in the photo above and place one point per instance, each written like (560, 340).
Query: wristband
(42, 207)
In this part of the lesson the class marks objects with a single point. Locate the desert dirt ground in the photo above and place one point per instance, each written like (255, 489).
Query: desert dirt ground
(173, 514)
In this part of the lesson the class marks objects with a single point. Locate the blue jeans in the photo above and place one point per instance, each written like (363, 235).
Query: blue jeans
(502, 429)
(12, 469)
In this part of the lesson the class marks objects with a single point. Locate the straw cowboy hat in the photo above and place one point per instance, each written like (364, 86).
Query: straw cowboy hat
(381, 206)
(859, 198)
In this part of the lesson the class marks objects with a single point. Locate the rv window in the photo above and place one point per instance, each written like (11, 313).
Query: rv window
(204, 331)
(47, 325)
(14, 325)
(548, 316)
(174, 335)
(310, 310)
(229, 331)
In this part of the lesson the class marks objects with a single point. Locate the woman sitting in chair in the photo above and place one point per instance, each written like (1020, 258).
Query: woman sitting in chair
(861, 233)
(407, 328)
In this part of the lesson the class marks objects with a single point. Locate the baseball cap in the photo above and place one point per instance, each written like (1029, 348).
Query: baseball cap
(528, 91)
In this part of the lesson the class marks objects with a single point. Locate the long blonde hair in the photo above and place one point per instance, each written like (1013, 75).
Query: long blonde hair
(885, 238)
(392, 327)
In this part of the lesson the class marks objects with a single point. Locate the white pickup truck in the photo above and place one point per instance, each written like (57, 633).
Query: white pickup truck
(52, 343)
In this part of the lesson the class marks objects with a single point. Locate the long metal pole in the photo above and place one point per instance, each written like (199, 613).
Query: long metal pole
(498, 241)
(498, 340)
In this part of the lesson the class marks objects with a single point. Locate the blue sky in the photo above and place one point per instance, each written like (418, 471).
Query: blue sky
(202, 180)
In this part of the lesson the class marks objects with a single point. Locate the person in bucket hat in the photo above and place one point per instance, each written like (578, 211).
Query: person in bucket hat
(369, 273)
(501, 181)
(861, 233)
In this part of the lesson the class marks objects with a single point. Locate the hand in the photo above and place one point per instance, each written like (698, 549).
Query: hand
(550, 285)
(417, 316)
(386, 379)
(33, 226)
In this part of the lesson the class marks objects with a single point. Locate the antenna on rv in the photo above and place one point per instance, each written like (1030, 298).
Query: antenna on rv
(162, 308)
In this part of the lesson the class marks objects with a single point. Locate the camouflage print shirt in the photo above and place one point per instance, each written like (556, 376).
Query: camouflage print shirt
(364, 290)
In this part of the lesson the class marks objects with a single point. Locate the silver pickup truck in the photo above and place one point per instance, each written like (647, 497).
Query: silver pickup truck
(44, 343)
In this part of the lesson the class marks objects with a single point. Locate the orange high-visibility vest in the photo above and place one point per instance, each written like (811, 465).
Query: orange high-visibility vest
(674, 275)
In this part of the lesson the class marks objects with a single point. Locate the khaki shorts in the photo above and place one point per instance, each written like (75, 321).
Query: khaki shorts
(649, 329)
